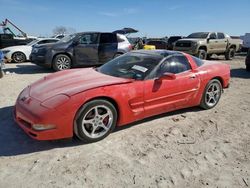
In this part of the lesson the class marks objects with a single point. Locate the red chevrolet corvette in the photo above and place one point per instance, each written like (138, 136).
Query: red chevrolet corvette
(91, 102)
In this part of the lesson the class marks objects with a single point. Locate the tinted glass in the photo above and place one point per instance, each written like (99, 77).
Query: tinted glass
(173, 39)
(3, 36)
(90, 38)
(68, 38)
(174, 64)
(212, 36)
(131, 65)
(221, 36)
(200, 35)
(108, 38)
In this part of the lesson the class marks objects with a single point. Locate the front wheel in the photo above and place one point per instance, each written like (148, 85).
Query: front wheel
(18, 57)
(95, 120)
(202, 54)
(212, 94)
(61, 62)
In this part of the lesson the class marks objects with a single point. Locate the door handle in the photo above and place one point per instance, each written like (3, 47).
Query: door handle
(192, 77)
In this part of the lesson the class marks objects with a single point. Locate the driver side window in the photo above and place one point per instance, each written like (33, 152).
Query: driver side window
(174, 64)
(213, 36)
(90, 38)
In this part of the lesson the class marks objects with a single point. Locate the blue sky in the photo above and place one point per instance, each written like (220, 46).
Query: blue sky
(153, 18)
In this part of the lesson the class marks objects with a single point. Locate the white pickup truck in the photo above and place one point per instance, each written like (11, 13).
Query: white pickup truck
(205, 44)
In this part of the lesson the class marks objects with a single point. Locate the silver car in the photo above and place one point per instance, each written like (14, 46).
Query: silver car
(124, 45)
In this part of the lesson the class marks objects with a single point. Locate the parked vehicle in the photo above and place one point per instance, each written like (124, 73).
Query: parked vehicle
(1, 64)
(246, 42)
(91, 102)
(159, 44)
(80, 49)
(19, 54)
(172, 40)
(205, 44)
(124, 45)
(7, 40)
(248, 60)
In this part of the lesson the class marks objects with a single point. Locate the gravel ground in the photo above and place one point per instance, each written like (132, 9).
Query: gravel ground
(186, 148)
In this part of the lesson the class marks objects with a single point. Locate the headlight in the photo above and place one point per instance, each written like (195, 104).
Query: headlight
(5, 51)
(194, 44)
(55, 101)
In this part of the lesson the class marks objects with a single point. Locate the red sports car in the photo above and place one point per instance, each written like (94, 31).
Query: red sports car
(91, 102)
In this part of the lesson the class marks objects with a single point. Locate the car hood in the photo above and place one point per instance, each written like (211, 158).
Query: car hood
(71, 82)
(15, 48)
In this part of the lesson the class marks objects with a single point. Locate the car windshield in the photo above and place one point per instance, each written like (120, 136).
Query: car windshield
(67, 38)
(200, 35)
(173, 39)
(33, 42)
(131, 65)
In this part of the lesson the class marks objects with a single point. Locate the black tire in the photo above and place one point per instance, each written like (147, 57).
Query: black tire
(61, 62)
(229, 55)
(202, 54)
(248, 68)
(18, 57)
(207, 96)
(95, 122)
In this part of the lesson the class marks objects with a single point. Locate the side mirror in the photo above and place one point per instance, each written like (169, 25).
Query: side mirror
(75, 42)
(167, 76)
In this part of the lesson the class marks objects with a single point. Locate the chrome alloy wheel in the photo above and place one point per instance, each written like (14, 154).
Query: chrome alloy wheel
(213, 94)
(97, 121)
(63, 63)
(18, 57)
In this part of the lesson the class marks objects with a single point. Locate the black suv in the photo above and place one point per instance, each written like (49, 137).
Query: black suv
(80, 49)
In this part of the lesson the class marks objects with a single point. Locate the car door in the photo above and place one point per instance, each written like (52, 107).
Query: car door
(107, 47)
(222, 42)
(212, 43)
(168, 94)
(85, 49)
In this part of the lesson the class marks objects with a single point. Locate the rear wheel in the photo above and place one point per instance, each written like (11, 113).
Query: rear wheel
(96, 119)
(202, 54)
(230, 54)
(61, 62)
(18, 57)
(212, 94)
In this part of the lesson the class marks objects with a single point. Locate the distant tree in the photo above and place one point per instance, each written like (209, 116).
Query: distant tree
(63, 30)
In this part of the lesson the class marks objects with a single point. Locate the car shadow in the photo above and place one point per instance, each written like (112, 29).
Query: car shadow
(28, 69)
(240, 73)
(14, 141)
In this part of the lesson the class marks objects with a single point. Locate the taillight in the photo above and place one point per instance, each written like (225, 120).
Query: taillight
(130, 47)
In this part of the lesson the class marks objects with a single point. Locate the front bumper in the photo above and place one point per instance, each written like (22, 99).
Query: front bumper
(41, 60)
(28, 111)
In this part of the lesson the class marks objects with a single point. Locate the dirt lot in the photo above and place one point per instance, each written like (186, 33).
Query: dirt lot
(187, 148)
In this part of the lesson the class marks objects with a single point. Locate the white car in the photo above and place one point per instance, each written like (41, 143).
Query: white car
(19, 54)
